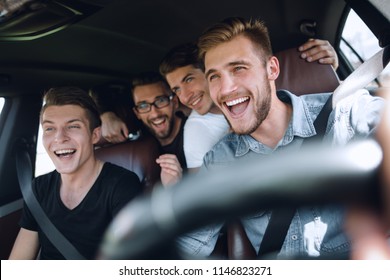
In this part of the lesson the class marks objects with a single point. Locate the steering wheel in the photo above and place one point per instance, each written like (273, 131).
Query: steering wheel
(147, 226)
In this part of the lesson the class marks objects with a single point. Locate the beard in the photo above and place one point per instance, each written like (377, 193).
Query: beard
(261, 110)
(163, 134)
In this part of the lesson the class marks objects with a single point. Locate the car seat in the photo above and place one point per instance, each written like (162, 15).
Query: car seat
(138, 156)
(302, 77)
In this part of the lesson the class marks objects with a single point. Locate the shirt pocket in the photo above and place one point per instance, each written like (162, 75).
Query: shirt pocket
(335, 240)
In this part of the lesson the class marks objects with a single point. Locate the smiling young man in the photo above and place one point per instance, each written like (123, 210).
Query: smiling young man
(157, 108)
(83, 194)
(206, 124)
(241, 73)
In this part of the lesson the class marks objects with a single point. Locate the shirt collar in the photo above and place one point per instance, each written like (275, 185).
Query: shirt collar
(300, 125)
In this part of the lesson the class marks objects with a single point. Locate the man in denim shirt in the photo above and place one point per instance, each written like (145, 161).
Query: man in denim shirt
(241, 74)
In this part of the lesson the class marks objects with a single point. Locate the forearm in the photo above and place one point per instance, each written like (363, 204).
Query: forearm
(26, 245)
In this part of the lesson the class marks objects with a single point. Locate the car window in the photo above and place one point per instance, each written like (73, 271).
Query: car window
(358, 44)
(43, 163)
(1, 104)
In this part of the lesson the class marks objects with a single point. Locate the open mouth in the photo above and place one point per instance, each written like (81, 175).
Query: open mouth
(237, 106)
(64, 152)
(158, 121)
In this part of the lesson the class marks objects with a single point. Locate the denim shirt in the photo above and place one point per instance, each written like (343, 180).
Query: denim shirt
(314, 231)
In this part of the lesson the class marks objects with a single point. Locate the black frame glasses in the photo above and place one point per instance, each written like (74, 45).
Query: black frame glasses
(160, 102)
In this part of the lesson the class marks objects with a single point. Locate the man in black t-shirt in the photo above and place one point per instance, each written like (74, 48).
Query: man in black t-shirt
(160, 113)
(83, 194)
(157, 107)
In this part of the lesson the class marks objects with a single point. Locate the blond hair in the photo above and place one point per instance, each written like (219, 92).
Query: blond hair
(226, 30)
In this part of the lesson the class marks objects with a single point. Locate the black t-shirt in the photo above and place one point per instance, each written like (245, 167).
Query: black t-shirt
(176, 147)
(84, 225)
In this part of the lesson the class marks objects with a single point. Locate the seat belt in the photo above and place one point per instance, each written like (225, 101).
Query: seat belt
(24, 172)
(281, 218)
(362, 75)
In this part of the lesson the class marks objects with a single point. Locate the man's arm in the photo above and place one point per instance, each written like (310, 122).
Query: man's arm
(114, 130)
(26, 245)
(368, 229)
(319, 50)
(111, 102)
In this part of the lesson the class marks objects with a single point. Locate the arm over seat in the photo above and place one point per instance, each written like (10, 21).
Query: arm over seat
(138, 156)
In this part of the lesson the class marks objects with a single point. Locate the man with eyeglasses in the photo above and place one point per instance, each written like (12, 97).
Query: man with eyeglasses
(157, 107)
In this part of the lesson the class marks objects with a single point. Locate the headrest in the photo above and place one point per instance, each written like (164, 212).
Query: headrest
(302, 77)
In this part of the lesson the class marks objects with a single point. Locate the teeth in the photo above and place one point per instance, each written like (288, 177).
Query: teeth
(158, 121)
(65, 152)
(196, 102)
(61, 152)
(237, 101)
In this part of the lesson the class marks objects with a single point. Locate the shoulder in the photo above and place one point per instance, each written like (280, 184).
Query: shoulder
(115, 172)
(194, 117)
(118, 179)
(315, 100)
(208, 121)
(360, 98)
(45, 178)
(197, 125)
(224, 150)
(44, 183)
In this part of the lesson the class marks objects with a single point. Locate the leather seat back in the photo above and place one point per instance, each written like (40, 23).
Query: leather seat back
(302, 77)
(138, 156)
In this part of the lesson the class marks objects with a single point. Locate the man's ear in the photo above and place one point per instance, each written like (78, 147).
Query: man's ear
(273, 68)
(175, 102)
(96, 135)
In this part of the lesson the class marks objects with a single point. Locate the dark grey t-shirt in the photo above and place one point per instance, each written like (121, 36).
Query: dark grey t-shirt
(84, 225)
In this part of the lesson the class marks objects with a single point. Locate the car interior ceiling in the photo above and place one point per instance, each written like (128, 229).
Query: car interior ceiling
(118, 40)
(112, 40)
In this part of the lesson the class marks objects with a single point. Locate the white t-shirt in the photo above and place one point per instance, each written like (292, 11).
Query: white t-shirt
(201, 133)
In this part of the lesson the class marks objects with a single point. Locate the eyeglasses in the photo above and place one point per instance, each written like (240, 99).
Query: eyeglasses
(160, 102)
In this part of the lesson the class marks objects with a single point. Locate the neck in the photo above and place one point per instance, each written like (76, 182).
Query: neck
(215, 110)
(274, 127)
(85, 176)
(74, 187)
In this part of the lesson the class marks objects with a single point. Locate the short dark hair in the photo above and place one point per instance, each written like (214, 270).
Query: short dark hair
(148, 78)
(60, 96)
(180, 56)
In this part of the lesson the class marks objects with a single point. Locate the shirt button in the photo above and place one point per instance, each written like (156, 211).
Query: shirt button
(294, 237)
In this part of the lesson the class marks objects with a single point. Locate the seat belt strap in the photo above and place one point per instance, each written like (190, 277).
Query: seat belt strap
(281, 218)
(24, 172)
(276, 230)
(362, 75)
